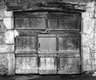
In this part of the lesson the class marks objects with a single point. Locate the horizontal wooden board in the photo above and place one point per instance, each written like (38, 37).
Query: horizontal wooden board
(26, 55)
(65, 54)
(47, 65)
(62, 15)
(29, 32)
(30, 23)
(69, 65)
(47, 54)
(64, 23)
(29, 14)
(26, 65)
(26, 44)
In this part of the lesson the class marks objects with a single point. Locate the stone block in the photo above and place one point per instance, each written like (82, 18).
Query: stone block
(11, 63)
(8, 22)
(10, 35)
(1, 13)
(88, 25)
(87, 65)
(8, 13)
(2, 26)
(3, 64)
(2, 38)
(6, 48)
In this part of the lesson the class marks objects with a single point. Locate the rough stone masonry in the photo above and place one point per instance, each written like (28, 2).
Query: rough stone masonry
(7, 35)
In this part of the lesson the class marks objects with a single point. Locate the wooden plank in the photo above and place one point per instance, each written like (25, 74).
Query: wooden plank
(30, 23)
(26, 65)
(29, 32)
(47, 65)
(70, 54)
(26, 44)
(69, 65)
(69, 23)
(30, 14)
(62, 15)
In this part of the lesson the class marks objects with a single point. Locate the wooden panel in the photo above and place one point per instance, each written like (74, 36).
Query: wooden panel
(64, 23)
(69, 23)
(69, 65)
(26, 65)
(30, 23)
(68, 44)
(47, 45)
(26, 44)
(47, 65)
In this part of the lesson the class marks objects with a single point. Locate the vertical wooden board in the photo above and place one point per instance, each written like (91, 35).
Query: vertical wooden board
(47, 65)
(69, 65)
(25, 44)
(47, 45)
(26, 65)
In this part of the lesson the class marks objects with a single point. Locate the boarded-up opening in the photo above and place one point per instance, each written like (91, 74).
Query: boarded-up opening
(54, 37)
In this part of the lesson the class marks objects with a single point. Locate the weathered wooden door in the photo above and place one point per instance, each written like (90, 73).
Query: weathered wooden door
(26, 56)
(69, 59)
(48, 43)
(47, 54)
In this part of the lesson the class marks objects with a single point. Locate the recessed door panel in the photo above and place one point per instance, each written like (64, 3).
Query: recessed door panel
(25, 44)
(26, 64)
(69, 65)
(47, 65)
(47, 44)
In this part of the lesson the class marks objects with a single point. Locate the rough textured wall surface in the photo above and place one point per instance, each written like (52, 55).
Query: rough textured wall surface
(88, 37)
(33, 4)
(7, 34)
(6, 40)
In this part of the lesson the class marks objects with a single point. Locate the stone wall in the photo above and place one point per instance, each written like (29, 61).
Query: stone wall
(6, 41)
(88, 37)
(7, 35)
